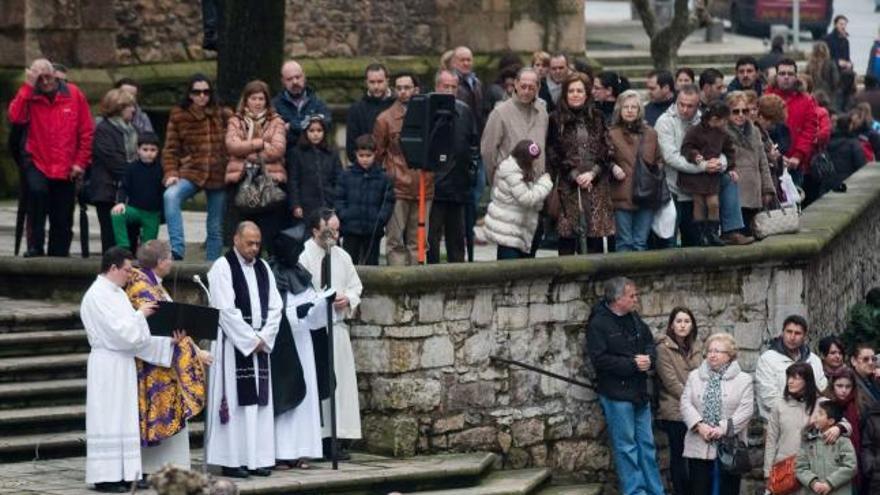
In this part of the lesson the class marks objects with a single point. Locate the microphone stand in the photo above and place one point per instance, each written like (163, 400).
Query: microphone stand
(328, 246)
(198, 280)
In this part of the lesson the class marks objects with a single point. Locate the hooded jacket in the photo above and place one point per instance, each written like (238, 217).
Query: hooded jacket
(832, 463)
(512, 215)
(612, 343)
(294, 115)
(770, 374)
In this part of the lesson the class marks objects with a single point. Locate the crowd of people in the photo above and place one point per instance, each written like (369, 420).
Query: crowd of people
(265, 385)
(561, 149)
(822, 412)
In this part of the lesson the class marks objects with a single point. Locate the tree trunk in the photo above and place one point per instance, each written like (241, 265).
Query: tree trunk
(250, 45)
(665, 42)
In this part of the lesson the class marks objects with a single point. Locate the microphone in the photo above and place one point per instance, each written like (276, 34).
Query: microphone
(198, 280)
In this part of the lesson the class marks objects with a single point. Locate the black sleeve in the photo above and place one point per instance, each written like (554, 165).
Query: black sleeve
(603, 359)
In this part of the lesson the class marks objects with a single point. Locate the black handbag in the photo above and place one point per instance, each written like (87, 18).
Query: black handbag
(649, 183)
(733, 453)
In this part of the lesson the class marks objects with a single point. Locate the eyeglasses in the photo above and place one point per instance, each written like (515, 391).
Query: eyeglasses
(200, 92)
(739, 111)
(786, 73)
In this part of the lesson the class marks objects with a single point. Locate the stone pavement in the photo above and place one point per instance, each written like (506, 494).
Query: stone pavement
(67, 476)
(194, 227)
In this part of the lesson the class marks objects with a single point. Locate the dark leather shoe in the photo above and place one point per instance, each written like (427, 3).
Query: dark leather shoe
(33, 253)
(260, 472)
(238, 472)
(143, 484)
(111, 487)
(737, 239)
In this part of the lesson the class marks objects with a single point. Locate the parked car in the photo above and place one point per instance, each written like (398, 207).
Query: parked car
(755, 17)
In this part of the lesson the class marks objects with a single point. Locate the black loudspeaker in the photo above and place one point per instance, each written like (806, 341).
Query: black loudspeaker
(428, 130)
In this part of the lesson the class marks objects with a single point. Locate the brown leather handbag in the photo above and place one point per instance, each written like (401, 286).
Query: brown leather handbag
(783, 480)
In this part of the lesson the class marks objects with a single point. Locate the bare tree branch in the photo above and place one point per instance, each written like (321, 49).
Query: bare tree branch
(646, 13)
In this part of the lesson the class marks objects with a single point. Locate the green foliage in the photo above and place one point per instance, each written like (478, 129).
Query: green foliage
(863, 323)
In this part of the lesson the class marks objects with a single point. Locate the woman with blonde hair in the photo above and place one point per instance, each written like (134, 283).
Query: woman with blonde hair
(256, 140)
(823, 70)
(718, 396)
(114, 145)
(756, 186)
(631, 139)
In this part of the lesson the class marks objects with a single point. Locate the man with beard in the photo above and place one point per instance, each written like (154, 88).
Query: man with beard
(297, 101)
(362, 114)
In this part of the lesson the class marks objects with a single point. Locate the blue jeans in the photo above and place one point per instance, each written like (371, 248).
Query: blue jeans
(174, 198)
(632, 440)
(509, 253)
(633, 228)
(731, 213)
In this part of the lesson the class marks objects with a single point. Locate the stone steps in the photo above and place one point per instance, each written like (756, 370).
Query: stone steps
(42, 342)
(43, 367)
(582, 489)
(42, 393)
(514, 482)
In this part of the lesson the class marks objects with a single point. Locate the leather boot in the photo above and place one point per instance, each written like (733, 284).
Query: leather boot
(712, 238)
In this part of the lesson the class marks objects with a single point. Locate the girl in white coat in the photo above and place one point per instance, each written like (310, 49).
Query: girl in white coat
(517, 198)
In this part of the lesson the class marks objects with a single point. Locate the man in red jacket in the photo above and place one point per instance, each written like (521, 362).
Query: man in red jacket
(802, 122)
(57, 151)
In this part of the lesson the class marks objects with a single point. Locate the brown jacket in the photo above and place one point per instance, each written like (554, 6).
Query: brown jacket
(673, 368)
(386, 132)
(708, 142)
(273, 142)
(194, 146)
(625, 143)
(751, 166)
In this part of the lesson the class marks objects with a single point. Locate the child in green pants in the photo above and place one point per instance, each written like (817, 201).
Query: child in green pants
(139, 200)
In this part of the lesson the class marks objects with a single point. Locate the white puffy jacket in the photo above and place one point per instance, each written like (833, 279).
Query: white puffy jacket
(512, 217)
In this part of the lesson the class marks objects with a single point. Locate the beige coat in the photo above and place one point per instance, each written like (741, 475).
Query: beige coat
(737, 403)
(272, 144)
(673, 369)
(752, 167)
(785, 429)
(509, 123)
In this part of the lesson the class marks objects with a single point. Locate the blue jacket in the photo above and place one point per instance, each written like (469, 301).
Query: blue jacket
(294, 116)
(874, 60)
(364, 200)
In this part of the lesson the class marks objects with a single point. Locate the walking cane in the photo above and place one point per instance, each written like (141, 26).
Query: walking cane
(198, 280)
(582, 224)
(330, 364)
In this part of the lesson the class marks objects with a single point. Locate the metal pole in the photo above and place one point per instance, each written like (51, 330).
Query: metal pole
(796, 24)
(420, 240)
(539, 370)
(330, 365)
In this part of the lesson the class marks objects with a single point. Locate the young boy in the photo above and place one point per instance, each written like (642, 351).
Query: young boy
(364, 202)
(825, 468)
(139, 199)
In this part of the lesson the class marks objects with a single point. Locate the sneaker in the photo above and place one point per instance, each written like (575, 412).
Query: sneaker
(737, 239)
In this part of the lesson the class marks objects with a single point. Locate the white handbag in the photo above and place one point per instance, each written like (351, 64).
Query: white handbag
(792, 195)
(664, 220)
(783, 220)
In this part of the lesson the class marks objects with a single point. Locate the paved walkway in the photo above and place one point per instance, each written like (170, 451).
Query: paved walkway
(67, 476)
(194, 227)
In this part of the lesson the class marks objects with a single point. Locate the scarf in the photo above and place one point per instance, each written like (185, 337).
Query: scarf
(712, 396)
(248, 392)
(129, 137)
(254, 123)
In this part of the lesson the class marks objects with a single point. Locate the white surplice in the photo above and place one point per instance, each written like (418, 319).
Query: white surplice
(248, 438)
(345, 280)
(117, 334)
(298, 431)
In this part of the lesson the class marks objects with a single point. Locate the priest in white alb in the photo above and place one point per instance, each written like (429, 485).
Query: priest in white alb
(324, 225)
(240, 427)
(117, 335)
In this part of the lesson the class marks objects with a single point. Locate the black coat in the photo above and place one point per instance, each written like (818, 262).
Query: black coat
(364, 200)
(612, 344)
(361, 119)
(312, 174)
(838, 46)
(108, 163)
(846, 154)
(454, 181)
(654, 110)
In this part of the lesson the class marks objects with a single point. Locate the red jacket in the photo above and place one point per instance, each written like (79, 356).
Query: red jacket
(802, 123)
(60, 131)
(823, 132)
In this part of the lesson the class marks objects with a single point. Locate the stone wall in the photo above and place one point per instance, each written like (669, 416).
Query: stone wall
(80, 32)
(423, 336)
